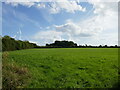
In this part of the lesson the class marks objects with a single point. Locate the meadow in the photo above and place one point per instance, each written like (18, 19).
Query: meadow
(64, 67)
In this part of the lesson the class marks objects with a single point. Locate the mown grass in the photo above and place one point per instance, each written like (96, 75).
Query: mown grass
(69, 67)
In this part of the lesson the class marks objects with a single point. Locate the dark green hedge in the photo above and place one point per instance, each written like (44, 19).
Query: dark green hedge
(10, 44)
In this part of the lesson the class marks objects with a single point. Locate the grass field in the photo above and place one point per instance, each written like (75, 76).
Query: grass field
(69, 67)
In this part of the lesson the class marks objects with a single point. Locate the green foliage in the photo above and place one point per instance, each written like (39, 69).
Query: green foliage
(69, 67)
(63, 44)
(10, 44)
(0, 43)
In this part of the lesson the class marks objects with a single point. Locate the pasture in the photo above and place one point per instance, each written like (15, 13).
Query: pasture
(68, 67)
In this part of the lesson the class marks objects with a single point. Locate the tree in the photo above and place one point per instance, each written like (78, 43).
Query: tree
(10, 44)
(62, 44)
(100, 46)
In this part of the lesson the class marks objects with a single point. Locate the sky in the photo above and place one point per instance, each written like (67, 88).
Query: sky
(91, 23)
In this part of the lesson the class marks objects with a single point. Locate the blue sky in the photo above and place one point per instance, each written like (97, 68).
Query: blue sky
(44, 22)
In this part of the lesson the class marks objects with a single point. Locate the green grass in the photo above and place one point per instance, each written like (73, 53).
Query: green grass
(69, 67)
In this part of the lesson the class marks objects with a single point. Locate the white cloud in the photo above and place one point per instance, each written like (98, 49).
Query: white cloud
(14, 36)
(18, 34)
(68, 6)
(27, 3)
(47, 36)
(74, 29)
(99, 29)
(107, 15)
(40, 5)
(54, 6)
(33, 42)
(107, 19)
(68, 31)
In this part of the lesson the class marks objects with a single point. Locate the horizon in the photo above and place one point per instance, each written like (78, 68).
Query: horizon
(60, 41)
(90, 23)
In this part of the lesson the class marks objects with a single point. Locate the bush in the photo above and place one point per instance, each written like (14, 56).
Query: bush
(10, 44)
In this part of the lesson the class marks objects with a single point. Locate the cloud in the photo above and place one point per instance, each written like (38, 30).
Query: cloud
(55, 6)
(67, 31)
(106, 15)
(47, 36)
(68, 6)
(27, 3)
(14, 36)
(40, 5)
(18, 34)
(34, 42)
(90, 31)
(25, 18)
(73, 29)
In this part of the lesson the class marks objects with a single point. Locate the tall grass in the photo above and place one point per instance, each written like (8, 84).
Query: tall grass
(13, 75)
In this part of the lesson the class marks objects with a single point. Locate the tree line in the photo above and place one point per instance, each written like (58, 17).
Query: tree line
(71, 44)
(10, 44)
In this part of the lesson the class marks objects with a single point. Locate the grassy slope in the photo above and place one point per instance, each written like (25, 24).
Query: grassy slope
(70, 67)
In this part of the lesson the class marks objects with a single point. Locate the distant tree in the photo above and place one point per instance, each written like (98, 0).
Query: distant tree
(105, 46)
(47, 44)
(100, 46)
(63, 44)
(116, 46)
